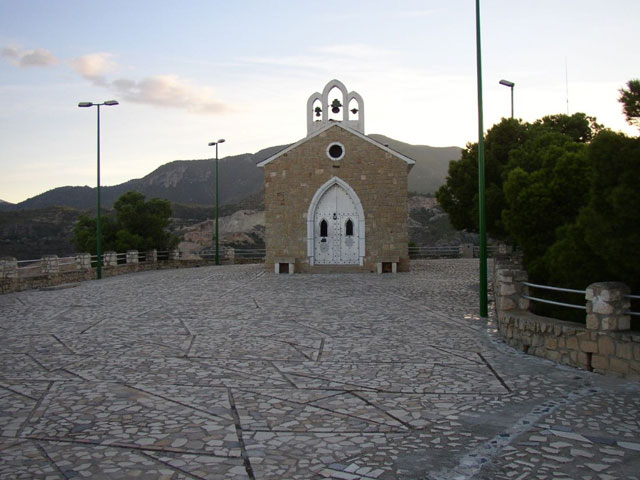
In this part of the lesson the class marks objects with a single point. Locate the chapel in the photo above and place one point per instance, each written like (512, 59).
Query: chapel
(336, 201)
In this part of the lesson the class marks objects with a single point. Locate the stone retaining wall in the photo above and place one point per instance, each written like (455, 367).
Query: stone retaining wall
(604, 344)
(51, 272)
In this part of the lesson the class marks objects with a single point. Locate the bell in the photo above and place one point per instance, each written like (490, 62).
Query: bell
(335, 106)
(318, 111)
(354, 110)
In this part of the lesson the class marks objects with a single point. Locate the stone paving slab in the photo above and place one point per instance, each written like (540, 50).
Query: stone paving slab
(230, 372)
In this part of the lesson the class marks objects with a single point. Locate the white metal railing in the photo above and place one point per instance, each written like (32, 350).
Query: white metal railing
(570, 290)
(446, 251)
(633, 297)
(250, 253)
(434, 251)
(555, 289)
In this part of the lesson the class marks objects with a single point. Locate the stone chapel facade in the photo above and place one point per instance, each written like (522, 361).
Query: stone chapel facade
(336, 200)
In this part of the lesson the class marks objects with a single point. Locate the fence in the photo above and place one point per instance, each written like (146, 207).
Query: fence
(604, 343)
(571, 305)
(449, 251)
(51, 270)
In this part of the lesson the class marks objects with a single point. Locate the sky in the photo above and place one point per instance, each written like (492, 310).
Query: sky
(190, 72)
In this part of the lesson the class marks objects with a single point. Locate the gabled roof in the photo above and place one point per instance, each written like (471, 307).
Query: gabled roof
(350, 130)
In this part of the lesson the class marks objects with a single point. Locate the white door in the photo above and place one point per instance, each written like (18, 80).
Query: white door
(336, 228)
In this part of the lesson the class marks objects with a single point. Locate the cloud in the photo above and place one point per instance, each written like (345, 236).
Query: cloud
(29, 58)
(169, 91)
(158, 90)
(95, 66)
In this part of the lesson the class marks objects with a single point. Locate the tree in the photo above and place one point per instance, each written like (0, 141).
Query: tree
(138, 225)
(85, 233)
(546, 188)
(601, 243)
(459, 195)
(630, 100)
(611, 220)
(578, 127)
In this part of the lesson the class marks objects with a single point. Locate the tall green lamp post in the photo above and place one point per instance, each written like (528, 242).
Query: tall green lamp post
(211, 144)
(108, 103)
(481, 178)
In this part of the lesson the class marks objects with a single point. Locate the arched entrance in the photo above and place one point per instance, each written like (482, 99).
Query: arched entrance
(335, 226)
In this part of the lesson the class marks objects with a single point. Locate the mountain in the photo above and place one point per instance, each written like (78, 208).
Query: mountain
(30, 234)
(181, 181)
(192, 181)
(432, 163)
(44, 224)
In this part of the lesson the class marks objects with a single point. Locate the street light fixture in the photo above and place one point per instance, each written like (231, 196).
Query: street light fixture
(108, 103)
(509, 84)
(211, 144)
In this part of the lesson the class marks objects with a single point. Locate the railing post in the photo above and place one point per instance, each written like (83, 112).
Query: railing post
(8, 267)
(606, 306)
(465, 250)
(510, 289)
(132, 257)
(50, 265)
(152, 256)
(110, 259)
(83, 261)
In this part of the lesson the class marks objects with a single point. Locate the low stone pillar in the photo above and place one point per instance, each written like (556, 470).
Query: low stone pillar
(152, 256)
(83, 261)
(466, 250)
(8, 267)
(50, 265)
(132, 257)
(510, 290)
(606, 306)
(231, 255)
(110, 259)
(174, 254)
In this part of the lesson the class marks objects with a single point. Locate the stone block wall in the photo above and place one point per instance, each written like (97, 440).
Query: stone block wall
(377, 177)
(49, 272)
(604, 344)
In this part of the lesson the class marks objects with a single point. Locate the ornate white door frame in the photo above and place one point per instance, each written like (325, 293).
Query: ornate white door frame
(335, 226)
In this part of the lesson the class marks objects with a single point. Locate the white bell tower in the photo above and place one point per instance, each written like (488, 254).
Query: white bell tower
(335, 104)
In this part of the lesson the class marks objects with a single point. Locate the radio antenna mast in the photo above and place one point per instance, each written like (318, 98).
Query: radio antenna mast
(566, 81)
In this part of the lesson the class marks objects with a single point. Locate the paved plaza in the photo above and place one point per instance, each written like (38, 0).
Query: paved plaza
(233, 373)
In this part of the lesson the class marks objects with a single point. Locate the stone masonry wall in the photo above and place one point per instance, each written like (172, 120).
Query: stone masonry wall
(604, 345)
(51, 274)
(378, 178)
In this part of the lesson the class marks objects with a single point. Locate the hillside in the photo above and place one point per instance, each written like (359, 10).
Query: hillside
(180, 181)
(432, 163)
(31, 234)
(44, 224)
(192, 181)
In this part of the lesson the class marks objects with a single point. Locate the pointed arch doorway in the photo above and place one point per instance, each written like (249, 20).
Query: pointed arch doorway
(335, 226)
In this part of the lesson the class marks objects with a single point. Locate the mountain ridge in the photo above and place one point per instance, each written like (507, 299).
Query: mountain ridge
(191, 181)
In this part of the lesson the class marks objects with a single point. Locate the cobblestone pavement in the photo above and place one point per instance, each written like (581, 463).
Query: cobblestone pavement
(230, 372)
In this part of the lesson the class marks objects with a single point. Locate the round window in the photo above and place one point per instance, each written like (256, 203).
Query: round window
(335, 151)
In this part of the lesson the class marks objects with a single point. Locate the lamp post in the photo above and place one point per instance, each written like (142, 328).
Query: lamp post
(108, 103)
(509, 84)
(211, 144)
(482, 205)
